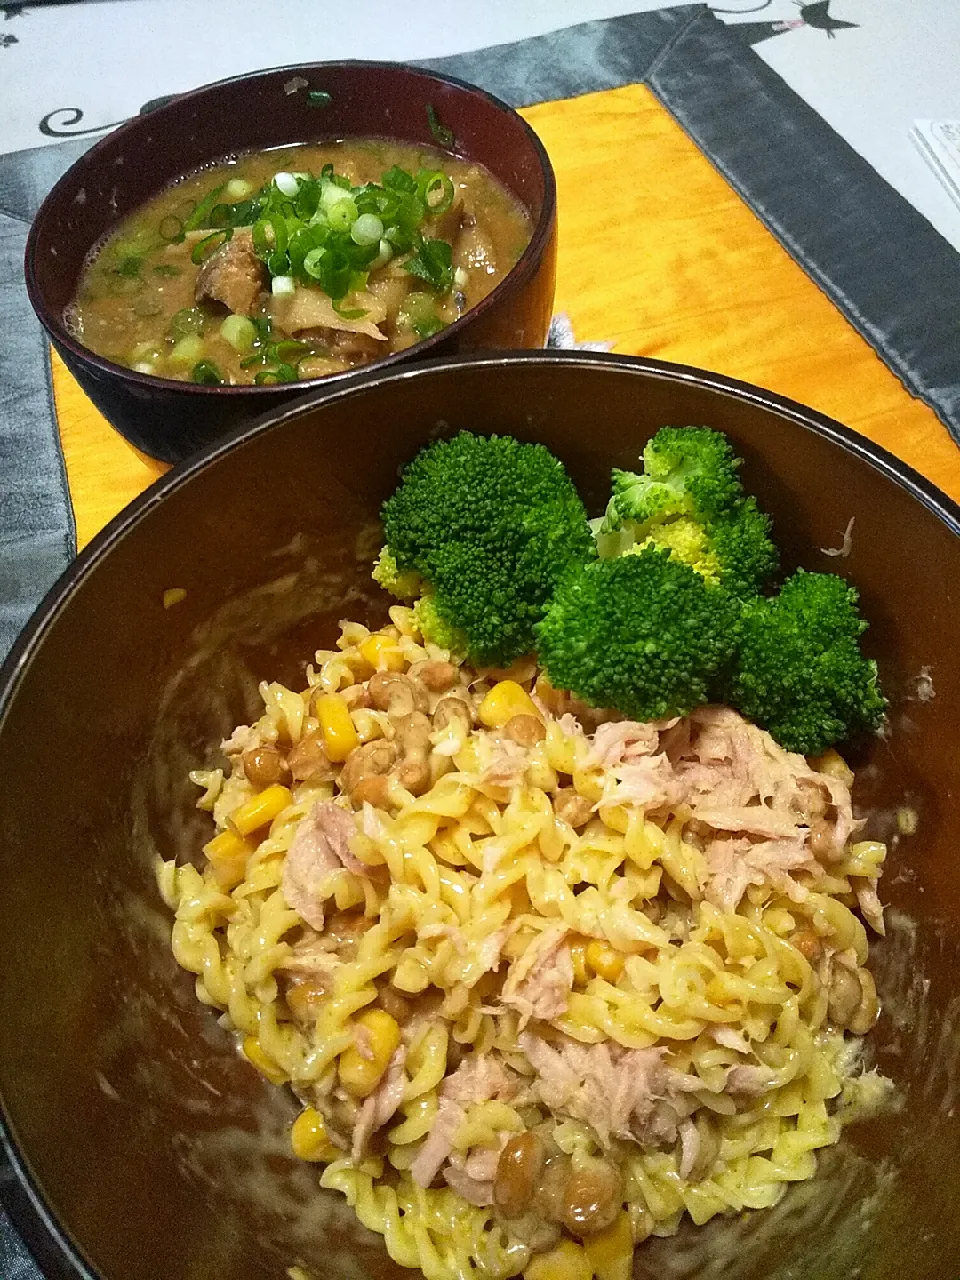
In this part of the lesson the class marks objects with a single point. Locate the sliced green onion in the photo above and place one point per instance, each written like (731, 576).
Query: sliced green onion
(342, 215)
(240, 332)
(461, 278)
(143, 367)
(206, 373)
(238, 189)
(247, 212)
(308, 199)
(311, 263)
(269, 236)
(383, 257)
(332, 193)
(436, 191)
(354, 313)
(291, 351)
(440, 131)
(322, 230)
(427, 328)
(301, 243)
(171, 229)
(319, 98)
(278, 264)
(282, 373)
(221, 215)
(199, 217)
(418, 307)
(368, 229)
(187, 320)
(204, 248)
(188, 350)
(286, 183)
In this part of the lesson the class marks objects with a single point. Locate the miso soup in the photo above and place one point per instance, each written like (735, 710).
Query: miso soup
(298, 263)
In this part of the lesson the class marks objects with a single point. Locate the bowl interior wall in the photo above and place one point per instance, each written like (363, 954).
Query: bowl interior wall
(163, 1154)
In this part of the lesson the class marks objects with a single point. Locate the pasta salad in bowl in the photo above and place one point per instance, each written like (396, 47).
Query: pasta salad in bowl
(551, 968)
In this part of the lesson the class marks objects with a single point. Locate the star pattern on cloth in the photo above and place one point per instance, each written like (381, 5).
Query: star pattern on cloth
(6, 41)
(12, 11)
(817, 15)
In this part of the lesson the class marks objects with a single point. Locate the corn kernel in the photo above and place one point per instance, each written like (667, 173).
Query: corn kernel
(611, 1251)
(260, 809)
(382, 653)
(567, 1261)
(339, 735)
(504, 701)
(254, 1054)
(360, 1074)
(228, 854)
(604, 960)
(578, 954)
(309, 1140)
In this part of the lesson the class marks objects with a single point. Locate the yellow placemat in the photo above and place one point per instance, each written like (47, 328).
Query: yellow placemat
(657, 255)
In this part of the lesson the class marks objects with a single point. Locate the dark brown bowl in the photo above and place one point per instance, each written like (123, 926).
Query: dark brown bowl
(143, 1146)
(170, 419)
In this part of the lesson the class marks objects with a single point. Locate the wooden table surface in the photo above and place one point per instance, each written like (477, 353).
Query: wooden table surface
(658, 256)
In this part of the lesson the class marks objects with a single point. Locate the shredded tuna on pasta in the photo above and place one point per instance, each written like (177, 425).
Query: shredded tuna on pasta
(565, 976)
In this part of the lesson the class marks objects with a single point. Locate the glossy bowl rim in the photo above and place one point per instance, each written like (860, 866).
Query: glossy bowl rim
(125, 522)
(522, 271)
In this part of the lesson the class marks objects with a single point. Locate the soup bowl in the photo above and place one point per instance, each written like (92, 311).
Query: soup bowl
(142, 1145)
(265, 110)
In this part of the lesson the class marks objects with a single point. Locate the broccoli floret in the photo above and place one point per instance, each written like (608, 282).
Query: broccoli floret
(690, 501)
(642, 633)
(436, 629)
(405, 586)
(687, 471)
(687, 541)
(733, 549)
(740, 540)
(799, 671)
(490, 525)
